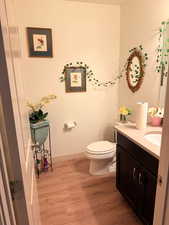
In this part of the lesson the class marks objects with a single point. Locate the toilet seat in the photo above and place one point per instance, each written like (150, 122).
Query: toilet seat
(101, 148)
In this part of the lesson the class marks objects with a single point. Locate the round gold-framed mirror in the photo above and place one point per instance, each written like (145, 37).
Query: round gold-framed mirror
(135, 70)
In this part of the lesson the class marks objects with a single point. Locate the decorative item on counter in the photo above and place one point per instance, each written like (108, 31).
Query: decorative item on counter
(141, 115)
(156, 115)
(163, 50)
(90, 75)
(124, 112)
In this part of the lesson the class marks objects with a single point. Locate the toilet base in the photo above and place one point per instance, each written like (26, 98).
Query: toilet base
(101, 166)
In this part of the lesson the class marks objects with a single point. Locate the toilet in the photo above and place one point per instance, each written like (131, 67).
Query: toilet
(102, 156)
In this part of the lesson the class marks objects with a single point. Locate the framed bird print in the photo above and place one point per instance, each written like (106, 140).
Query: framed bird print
(39, 42)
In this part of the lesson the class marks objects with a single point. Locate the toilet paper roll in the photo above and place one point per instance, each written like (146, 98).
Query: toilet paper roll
(141, 115)
(70, 125)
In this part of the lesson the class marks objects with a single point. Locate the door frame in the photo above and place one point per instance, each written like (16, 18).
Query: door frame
(161, 213)
(7, 215)
(9, 135)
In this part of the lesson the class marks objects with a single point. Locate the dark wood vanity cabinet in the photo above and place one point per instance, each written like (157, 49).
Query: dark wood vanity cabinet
(137, 177)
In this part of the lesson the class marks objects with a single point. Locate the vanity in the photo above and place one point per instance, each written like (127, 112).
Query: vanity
(137, 169)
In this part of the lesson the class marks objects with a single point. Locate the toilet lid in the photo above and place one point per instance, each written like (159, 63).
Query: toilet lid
(101, 147)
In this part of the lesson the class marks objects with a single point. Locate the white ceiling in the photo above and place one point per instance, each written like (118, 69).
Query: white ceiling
(111, 2)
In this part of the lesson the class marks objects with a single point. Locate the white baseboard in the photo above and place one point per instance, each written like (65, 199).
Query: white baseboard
(68, 157)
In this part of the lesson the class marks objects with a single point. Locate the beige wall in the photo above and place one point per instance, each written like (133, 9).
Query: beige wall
(139, 23)
(81, 31)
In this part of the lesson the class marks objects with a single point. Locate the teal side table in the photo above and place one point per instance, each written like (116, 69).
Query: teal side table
(41, 137)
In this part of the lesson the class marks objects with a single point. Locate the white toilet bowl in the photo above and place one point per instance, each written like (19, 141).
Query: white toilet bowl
(102, 156)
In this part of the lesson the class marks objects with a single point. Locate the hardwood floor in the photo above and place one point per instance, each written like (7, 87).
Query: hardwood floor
(70, 196)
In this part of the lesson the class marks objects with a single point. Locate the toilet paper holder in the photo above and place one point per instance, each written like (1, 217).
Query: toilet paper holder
(70, 125)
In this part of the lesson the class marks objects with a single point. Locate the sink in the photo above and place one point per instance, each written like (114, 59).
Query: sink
(154, 138)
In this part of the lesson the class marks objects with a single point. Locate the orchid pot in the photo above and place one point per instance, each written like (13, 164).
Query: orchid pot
(156, 121)
(39, 125)
(156, 116)
(39, 132)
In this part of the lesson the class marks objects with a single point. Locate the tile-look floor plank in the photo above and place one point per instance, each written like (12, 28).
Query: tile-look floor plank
(70, 196)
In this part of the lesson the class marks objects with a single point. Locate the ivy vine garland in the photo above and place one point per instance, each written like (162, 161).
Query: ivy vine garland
(163, 49)
(135, 72)
(90, 75)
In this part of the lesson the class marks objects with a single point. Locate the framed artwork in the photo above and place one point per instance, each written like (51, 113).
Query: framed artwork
(39, 42)
(75, 79)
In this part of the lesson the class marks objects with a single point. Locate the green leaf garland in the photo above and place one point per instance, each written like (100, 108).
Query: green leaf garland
(163, 49)
(90, 75)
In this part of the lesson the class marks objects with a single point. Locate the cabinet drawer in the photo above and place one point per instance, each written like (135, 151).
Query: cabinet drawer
(145, 159)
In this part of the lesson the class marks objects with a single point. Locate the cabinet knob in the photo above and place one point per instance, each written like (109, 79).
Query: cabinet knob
(134, 173)
(140, 178)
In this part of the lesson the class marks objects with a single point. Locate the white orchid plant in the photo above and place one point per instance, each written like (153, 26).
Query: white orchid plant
(156, 112)
(36, 113)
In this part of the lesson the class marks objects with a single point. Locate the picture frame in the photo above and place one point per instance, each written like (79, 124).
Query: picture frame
(39, 42)
(75, 79)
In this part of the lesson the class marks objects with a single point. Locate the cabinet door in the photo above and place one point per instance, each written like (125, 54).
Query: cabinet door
(127, 176)
(148, 183)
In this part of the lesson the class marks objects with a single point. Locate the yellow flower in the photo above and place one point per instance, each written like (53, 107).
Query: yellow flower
(123, 110)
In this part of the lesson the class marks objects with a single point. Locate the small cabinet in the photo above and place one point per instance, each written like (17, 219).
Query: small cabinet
(137, 178)
(127, 176)
(148, 193)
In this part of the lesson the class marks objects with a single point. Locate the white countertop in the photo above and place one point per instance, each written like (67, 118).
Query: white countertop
(137, 136)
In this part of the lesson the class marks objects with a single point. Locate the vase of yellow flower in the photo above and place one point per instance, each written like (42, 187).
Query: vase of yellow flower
(124, 113)
(38, 123)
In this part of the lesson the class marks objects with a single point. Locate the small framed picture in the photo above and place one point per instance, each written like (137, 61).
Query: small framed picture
(39, 42)
(75, 79)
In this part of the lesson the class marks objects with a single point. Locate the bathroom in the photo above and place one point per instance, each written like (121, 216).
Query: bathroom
(101, 34)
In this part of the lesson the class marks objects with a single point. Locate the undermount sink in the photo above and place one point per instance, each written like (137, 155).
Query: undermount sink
(154, 138)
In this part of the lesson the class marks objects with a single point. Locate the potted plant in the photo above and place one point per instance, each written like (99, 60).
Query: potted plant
(124, 112)
(38, 123)
(156, 115)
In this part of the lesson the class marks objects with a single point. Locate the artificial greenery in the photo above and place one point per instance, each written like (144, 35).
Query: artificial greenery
(163, 49)
(91, 76)
(36, 114)
(135, 70)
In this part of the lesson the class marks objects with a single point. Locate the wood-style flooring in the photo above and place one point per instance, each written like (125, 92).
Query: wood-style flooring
(70, 196)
